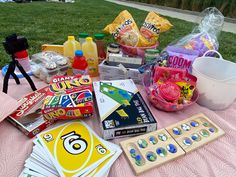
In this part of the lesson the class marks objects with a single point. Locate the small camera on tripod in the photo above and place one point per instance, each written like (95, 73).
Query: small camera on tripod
(14, 44)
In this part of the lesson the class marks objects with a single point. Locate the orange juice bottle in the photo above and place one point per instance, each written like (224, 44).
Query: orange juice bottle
(91, 54)
(70, 46)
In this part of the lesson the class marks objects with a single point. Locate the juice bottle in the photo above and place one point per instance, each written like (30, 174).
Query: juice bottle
(90, 52)
(80, 64)
(100, 46)
(70, 46)
(82, 37)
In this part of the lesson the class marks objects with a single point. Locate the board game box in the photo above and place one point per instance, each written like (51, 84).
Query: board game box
(68, 97)
(156, 148)
(122, 110)
(28, 117)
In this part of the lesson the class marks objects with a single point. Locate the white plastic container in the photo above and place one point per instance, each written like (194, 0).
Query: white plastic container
(216, 81)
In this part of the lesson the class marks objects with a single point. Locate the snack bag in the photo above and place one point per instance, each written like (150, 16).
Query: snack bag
(179, 57)
(153, 25)
(125, 31)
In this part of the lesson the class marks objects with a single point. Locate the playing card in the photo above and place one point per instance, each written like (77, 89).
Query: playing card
(67, 144)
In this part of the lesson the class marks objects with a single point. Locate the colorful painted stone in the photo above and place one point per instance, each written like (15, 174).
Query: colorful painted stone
(212, 130)
(138, 160)
(177, 131)
(187, 141)
(151, 156)
(152, 140)
(204, 133)
(142, 143)
(195, 137)
(162, 137)
(133, 152)
(194, 124)
(161, 152)
(171, 148)
(205, 124)
(185, 127)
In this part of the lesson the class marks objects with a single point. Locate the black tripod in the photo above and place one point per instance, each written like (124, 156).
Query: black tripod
(10, 71)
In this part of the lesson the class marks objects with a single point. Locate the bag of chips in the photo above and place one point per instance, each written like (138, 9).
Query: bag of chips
(125, 31)
(152, 26)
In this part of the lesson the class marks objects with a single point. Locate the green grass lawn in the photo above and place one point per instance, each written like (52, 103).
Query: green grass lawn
(43, 22)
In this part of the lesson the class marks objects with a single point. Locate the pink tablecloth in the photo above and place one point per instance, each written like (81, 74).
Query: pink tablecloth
(218, 158)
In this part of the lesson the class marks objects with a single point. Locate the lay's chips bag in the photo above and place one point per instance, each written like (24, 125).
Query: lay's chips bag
(125, 30)
(153, 25)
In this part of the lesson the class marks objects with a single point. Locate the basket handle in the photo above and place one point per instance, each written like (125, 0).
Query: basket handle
(214, 51)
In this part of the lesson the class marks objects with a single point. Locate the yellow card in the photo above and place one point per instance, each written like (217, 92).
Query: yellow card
(74, 148)
(102, 169)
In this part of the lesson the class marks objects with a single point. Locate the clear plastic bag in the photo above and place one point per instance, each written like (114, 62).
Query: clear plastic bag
(202, 38)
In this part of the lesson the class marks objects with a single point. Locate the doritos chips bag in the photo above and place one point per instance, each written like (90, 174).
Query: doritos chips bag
(153, 25)
(125, 30)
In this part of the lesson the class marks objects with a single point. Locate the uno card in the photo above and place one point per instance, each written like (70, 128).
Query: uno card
(103, 168)
(66, 101)
(80, 98)
(30, 173)
(55, 101)
(38, 169)
(42, 165)
(69, 143)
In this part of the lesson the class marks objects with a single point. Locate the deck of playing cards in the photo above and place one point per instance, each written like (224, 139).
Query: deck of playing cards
(70, 150)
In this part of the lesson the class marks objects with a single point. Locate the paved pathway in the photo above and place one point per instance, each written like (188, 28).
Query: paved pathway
(228, 27)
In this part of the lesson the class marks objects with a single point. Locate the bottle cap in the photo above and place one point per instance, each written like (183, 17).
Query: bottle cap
(114, 45)
(89, 39)
(78, 53)
(71, 37)
(99, 36)
(21, 54)
(152, 51)
(83, 35)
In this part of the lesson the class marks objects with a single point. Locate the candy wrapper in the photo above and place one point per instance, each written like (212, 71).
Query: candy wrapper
(203, 38)
(126, 32)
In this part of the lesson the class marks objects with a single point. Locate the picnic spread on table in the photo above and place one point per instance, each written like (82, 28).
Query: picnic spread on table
(122, 109)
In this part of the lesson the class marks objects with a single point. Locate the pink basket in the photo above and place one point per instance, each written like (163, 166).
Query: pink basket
(160, 103)
(136, 51)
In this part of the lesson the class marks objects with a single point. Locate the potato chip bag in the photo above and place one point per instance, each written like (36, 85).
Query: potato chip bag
(125, 31)
(153, 25)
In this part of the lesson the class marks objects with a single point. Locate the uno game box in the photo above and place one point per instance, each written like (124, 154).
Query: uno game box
(68, 97)
(122, 110)
(28, 117)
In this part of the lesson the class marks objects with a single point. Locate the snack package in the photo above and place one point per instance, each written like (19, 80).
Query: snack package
(125, 31)
(181, 58)
(153, 25)
(201, 39)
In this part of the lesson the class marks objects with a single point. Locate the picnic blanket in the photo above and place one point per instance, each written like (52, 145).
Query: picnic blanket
(217, 158)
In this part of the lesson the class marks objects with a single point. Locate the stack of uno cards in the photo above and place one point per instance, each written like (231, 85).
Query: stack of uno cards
(70, 150)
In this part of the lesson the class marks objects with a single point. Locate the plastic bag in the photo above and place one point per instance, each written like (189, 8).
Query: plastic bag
(201, 39)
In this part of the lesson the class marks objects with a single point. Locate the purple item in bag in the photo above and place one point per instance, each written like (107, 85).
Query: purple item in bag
(181, 58)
